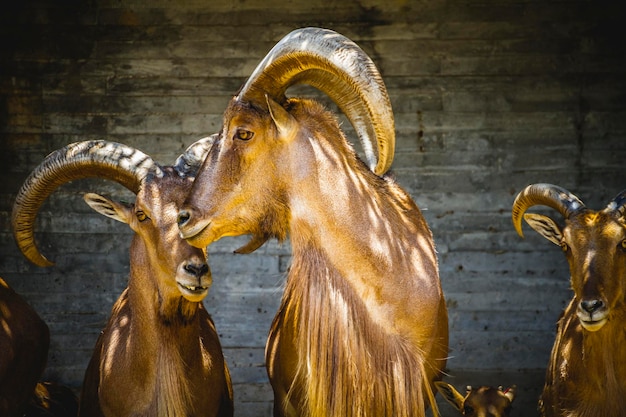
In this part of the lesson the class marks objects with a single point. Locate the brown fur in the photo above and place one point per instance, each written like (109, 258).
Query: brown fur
(159, 354)
(484, 401)
(586, 376)
(52, 400)
(24, 342)
(362, 328)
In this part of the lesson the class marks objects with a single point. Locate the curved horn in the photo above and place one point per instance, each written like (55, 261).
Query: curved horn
(618, 204)
(548, 195)
(336, 66)
(188, 163)
(102, 159)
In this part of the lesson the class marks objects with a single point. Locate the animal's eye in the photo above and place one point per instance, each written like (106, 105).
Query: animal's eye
(141, 216)
(623, 244)
(564, 246)
(243, 134)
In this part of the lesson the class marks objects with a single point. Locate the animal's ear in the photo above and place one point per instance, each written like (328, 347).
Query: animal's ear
(510, 392)
(545, 226)
(285, 122)
(450, 394)
(106, 207)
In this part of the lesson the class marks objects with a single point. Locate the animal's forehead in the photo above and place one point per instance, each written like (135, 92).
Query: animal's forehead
(241, 112)
(167, 191)
(603, 224)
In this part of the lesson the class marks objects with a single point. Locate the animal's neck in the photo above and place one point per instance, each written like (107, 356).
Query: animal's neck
(372, 233)
(175, 343)
(334, 322)
(602, 353)
(165, 316)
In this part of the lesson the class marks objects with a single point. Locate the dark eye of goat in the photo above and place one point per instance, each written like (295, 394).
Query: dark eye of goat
(623, 244)
(141, 216)
(242, 134)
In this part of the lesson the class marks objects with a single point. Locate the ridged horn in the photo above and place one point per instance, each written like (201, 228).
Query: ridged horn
(340, 69)
(548, 195)
(618, 204)
(188, 163)
(102, 159)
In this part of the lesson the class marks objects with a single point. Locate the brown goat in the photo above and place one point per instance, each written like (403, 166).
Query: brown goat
(484, 401)
(159, 354)
(586, 376)
(24, 342)
(362, 328)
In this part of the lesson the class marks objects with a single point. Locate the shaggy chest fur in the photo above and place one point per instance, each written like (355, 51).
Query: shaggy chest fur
(345, 363)
(587, 373)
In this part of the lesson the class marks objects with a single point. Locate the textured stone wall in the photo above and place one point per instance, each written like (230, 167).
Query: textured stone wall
(488, 97)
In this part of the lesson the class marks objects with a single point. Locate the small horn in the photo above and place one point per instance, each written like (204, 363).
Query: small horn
(103, 159)
(336, 66)
(618, 204)
(188, 163)
(548, 195)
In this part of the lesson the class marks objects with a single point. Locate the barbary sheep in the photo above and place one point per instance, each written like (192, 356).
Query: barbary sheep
(24, 343)
(586, 376)
(362, 329)
(159, 354)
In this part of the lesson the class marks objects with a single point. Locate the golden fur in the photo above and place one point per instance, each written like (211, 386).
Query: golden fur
(362, 328)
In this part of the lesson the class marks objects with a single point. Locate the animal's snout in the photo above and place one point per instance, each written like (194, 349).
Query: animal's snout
(183, 217)
(197, 269)
(591, 306)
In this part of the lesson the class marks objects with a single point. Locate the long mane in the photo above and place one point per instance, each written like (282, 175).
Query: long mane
(348, 364)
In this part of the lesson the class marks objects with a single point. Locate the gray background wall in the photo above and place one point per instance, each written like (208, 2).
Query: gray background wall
(488, 96)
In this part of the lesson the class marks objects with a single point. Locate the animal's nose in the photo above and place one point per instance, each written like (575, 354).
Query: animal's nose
(591, 306)
(183, 217)
(197, 270)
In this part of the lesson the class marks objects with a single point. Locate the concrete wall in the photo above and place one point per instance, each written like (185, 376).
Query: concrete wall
(488, 97)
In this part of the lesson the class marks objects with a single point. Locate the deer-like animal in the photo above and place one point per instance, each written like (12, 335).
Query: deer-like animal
(586, 376)
(159, 354)
(362, 328)
(484, 401)
(24, 342)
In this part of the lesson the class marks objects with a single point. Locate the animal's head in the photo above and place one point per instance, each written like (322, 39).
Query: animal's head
(484, 401)
(594, 243)
(265, 140)
(179, 267)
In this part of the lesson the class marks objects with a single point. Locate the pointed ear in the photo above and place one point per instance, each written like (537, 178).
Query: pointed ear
(108, 208)
(450, 394)
(510, 392)
(285, 123)
(545, 226)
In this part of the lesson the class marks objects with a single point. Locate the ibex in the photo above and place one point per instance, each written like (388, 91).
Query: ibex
(159, 354)
(586, 376)
(362, 329)
(484, 401)
(24, 342)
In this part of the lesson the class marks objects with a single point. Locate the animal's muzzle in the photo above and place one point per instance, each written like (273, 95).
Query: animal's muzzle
(593, 314)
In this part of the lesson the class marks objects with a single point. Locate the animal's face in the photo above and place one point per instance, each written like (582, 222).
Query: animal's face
(178, 266)
(239, 188)
(484, 401)
(594, 244)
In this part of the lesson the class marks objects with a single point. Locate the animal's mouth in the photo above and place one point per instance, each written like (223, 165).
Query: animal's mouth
(187, 232)
(194, 293)
(593, 325)
(196, 235)
(593, 321)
